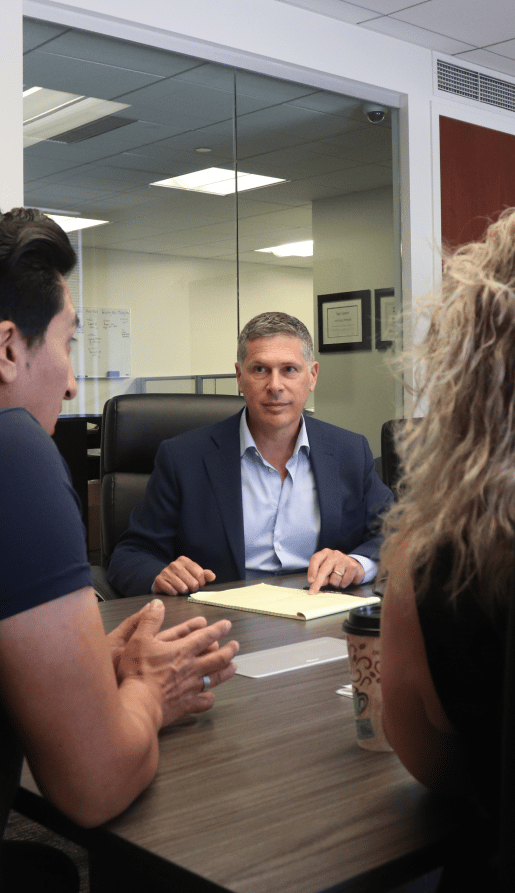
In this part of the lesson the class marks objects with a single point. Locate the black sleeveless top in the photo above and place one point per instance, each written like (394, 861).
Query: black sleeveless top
(465, 651)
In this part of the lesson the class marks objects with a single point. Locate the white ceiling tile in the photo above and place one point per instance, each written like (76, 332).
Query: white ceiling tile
(247, 84)
(140, 133)
(264, 230)
(330, 104)
(43, 69)
(166, 99)
(35, 169)
(117, 178)
(506, 48)
(498, 64)
(122, 54)
(65, 196)
(160, 164)
(474, 21)
(296, 215)
(386, 7)
(337, 9)
(218, 137)
(284, 125)
(368, 137)
(414, 34)
(278, 164)
(36, 33)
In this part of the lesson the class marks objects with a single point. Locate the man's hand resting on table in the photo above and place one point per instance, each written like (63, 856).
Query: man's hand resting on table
(171, 663)
(332, 568)
(182, 576)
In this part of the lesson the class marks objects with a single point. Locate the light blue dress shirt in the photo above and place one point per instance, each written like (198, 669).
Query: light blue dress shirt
(281, 521)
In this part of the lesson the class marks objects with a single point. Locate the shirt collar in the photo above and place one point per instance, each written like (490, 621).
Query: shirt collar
(247, 442)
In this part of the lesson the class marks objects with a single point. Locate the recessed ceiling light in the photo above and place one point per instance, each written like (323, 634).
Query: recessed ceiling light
(71, 224)
(293, 249)
(46, 113)
(203, 149)
(217, 181)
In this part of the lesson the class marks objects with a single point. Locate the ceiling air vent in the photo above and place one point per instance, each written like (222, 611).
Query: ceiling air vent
(94, 128)
(475, 85)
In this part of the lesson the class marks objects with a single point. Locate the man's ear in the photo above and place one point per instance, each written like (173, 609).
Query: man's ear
(313, 375)
(11, 349)
(238, 376)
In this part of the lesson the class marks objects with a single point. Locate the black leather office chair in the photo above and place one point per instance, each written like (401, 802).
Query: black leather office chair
(70, 436)
(133, 426)
(389, 458)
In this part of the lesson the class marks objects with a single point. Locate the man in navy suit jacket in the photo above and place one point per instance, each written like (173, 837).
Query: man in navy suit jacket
(266, 491)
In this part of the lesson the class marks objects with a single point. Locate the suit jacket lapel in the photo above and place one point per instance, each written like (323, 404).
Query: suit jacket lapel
(223, 467)
(325, 462)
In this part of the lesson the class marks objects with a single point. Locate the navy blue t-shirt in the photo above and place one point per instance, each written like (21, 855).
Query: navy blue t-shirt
(42, 537)
(43, 552)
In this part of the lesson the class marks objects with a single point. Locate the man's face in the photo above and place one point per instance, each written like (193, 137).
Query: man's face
(48, 377)
(275, 380)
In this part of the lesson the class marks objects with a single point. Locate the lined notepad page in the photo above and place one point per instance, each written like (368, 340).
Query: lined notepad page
(282, 602)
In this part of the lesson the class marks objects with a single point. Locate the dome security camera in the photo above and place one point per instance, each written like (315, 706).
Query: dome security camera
(375, 113)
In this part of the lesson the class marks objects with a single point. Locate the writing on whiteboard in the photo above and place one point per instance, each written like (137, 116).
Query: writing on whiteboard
(102, 345)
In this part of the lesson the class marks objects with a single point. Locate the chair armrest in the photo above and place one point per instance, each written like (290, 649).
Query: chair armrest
(103, 589)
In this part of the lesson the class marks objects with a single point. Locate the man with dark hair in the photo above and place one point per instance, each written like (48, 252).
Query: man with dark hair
(267, 491)
(84, 708)
(33, 248)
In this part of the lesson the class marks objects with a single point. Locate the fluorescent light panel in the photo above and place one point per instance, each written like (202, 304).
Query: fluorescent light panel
(293, 249)
(47, 113)
(217, 181)
(71, 224)
(38, 102)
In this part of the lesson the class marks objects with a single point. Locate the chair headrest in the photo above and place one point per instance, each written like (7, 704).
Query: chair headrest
(134, 425)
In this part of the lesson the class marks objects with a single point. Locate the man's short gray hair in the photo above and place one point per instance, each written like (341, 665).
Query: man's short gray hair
(266, 325)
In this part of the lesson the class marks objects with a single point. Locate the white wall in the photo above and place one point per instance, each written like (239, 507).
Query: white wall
(11, 106)
(354, 244)
(183, 310)
(157, 294)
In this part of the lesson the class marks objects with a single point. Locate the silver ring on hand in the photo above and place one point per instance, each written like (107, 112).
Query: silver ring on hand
(206, 683)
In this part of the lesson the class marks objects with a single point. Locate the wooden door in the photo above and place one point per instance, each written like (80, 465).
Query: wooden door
(477, 167)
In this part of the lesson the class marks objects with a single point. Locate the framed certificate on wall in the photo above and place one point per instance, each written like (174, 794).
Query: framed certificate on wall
(384, 299)
(344, 322)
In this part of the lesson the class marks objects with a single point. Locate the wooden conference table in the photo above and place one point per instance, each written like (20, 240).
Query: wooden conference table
(269, 791)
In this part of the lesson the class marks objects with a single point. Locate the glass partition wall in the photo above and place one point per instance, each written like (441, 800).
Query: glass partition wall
(198, 175)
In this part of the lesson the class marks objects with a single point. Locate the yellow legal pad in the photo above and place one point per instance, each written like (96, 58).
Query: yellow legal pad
(282, 602)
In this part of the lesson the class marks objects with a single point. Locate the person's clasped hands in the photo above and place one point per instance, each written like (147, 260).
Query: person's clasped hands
(177, 664)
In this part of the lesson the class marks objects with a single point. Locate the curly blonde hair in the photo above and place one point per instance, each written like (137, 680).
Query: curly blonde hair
(457, 485)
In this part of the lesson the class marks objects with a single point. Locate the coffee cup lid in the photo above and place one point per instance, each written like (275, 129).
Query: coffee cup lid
(364, 621)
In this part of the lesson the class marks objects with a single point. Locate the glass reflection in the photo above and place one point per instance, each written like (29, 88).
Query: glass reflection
(188, 265)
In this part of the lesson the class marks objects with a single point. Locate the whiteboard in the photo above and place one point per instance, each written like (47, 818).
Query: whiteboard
(102, 347)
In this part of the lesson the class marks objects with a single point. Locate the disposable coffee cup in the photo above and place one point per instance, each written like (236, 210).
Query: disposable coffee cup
(362, 628)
